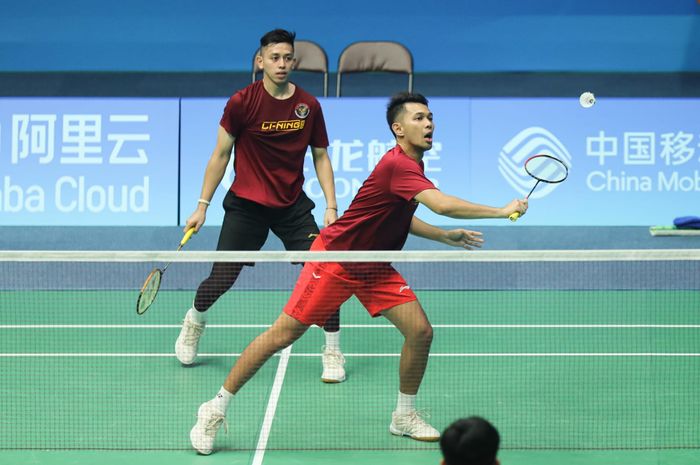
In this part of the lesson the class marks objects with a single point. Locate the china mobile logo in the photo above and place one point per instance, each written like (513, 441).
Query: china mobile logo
(529, 142)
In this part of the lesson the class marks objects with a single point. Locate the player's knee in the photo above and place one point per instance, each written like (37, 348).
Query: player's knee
(423, 334)
(275, 340)
(282, 341)
(428, 334)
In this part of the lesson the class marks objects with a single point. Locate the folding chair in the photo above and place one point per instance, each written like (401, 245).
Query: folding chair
(377, 56)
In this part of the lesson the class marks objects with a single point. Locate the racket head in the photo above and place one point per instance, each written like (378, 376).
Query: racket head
(546, 168)
(149, 290)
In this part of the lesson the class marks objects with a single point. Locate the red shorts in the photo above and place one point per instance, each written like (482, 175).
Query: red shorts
(323, 286)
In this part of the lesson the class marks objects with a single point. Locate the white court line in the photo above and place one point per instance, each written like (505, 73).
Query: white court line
(220, 326)
(271, 407)
(506, 354)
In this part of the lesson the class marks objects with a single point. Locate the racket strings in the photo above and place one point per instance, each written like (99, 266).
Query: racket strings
(546, 168)
(149, 291)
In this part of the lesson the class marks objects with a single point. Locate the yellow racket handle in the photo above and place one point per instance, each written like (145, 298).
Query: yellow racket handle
(187, 236)
(514, 216)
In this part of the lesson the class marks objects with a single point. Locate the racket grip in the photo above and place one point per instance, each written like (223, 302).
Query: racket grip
(187, 236)
(514, 216)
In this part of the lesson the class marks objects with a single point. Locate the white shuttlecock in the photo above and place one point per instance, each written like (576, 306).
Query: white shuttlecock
(587, 99)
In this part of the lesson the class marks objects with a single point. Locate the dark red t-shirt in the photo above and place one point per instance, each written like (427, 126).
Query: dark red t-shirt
(271, 140)
(379, 217)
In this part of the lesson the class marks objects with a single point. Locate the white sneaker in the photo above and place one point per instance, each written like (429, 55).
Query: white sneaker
(412, 425)
(209, 420)
(188, 340)
(333, 366)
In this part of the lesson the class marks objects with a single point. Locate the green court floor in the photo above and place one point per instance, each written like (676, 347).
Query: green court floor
(575, 377)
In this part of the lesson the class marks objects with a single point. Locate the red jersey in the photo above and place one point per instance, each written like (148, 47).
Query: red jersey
(379, 217)
(271, 140)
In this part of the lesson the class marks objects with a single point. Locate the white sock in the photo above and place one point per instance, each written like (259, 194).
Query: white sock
(222, 399)
(333, 340)
(198, 317)
(406, 403)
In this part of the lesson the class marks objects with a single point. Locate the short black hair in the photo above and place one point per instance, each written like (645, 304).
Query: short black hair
(396, 105)
(470, 441)
(278, 36)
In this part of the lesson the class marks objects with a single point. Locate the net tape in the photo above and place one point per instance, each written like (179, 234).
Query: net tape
(597, 255)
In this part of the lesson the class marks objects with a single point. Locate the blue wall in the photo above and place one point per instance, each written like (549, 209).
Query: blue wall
(449, 36)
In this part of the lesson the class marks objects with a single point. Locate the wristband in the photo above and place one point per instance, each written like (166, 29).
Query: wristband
(205, 202)
(332, 208)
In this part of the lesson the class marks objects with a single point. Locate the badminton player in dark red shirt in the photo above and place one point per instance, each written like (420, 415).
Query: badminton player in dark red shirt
(380, 217)
(271, 123)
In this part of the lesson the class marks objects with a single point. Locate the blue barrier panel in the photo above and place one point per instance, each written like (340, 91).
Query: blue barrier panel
(115, 161)
(633, 161)
(88, 161)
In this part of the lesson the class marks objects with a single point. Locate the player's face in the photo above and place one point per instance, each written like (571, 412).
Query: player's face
(276, 61)
(416, 126)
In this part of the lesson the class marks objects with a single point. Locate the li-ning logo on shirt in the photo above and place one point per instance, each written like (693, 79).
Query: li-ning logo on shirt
(289, 125)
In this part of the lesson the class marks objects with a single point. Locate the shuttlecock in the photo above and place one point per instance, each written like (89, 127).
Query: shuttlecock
(587, 99)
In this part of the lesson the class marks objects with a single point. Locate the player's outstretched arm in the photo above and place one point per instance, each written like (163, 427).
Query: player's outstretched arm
(214, 173)
(454, 207)
(454, 237)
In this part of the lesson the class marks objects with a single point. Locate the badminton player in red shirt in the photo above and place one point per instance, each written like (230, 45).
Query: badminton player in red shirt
(380, 217)
(270, 123)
